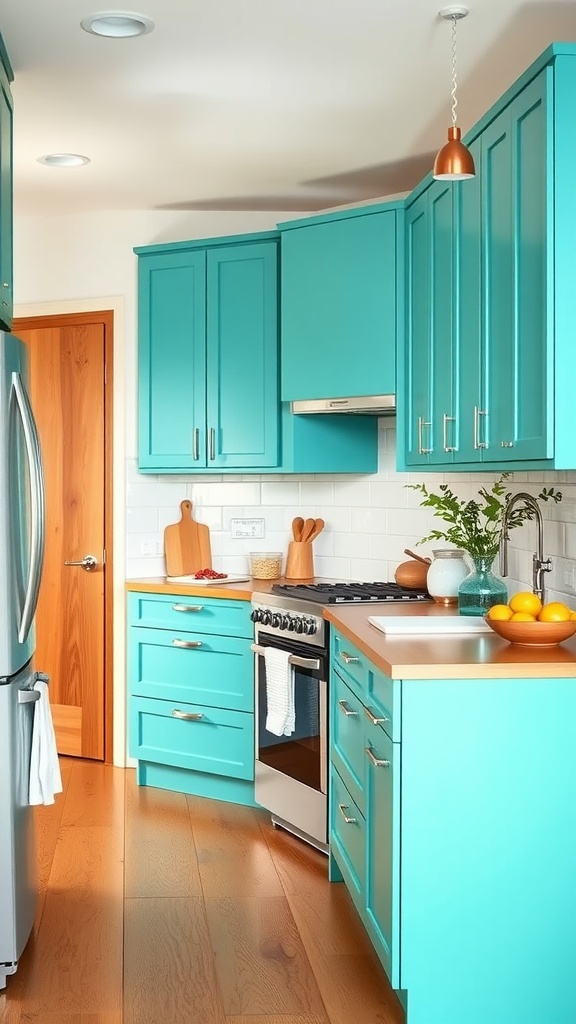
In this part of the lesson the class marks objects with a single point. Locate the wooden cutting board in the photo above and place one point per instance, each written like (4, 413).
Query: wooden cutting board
(187, 545)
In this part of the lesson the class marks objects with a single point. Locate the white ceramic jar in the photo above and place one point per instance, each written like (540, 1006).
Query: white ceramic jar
(447, 570)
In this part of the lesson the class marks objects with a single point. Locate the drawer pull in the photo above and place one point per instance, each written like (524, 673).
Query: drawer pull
(348, 658)
(187, 716)
(347, 711)
(343, 808)
(373, 719)
(186, 643)
(376, 761)
(187, 607)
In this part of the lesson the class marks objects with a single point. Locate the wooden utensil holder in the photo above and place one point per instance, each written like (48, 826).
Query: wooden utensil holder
(299, 561)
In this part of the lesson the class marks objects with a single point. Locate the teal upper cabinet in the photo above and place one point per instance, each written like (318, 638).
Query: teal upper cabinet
(485, 371)
(6, 119)
(208, 374)
(340, 299)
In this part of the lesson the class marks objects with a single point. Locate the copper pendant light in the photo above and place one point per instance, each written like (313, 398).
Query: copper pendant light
(454, 161)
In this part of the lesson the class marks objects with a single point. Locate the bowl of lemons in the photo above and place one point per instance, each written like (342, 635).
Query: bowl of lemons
(526, 621)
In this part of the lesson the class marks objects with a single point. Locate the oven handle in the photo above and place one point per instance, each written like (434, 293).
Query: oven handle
(294, 659)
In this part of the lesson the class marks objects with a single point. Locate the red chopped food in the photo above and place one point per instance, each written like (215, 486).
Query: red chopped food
(210, 574)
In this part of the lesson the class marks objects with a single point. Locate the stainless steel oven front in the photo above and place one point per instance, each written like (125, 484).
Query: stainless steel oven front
(291, 769)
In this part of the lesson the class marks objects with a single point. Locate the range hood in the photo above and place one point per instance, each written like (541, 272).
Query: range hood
(368, 405)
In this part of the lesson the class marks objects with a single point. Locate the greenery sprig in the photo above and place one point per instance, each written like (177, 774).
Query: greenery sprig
(477, 526)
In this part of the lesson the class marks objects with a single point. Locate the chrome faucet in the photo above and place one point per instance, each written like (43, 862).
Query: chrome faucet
(540, 565)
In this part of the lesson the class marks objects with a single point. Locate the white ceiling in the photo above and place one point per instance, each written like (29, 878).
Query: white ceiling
(254, 104)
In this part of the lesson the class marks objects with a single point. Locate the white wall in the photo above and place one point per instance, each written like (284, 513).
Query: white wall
(86, 262)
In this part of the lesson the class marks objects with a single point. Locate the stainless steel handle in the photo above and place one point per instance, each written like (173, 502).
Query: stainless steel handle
(477, 414)
(37, 503)
(5, 284)
(89, 563)
(343, 705)
(445, 421)
(376, 761)
(187, 716)
(421, 424)
(343, 808)
(348, 658)
(294, 659)
(195, 444)
(373, 719)
(212, 444)
(28, 696)
(186, 643)
(187, 607)
(506, 444)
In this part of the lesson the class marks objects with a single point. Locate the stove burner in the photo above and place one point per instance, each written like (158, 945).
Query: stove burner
(349, 593)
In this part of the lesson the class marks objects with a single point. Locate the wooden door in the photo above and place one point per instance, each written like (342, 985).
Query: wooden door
(68, 394)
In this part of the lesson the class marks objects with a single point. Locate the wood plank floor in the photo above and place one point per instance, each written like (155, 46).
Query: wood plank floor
(158, 908)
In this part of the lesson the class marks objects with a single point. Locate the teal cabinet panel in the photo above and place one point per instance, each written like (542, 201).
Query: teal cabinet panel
(383, 846)
(171, 360)
(214, 671)
(193, 614)
(6, 193)
(470, 411)
(328, 443)
(212, 740)
(348, 838)
(443, 431)
(379, 694)
(416, 377)
(339, 293)
(347, 727)
(242, 355)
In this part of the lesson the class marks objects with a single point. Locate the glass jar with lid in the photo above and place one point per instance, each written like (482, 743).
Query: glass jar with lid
(447, 570)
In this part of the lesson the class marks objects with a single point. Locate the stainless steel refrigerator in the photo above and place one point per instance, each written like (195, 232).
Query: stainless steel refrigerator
(21, 555)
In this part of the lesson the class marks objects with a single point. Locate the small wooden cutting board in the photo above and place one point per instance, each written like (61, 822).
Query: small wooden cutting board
(187, 545)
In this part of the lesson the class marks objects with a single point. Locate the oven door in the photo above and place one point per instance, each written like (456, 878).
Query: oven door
(291, 770)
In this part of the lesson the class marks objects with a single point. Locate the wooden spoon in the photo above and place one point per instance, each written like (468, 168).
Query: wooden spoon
(417, 557)
(307, 529)
(297, 525)
(318, 527)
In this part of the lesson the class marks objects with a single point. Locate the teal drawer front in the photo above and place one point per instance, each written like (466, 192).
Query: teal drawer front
(218, 673)
(192, 614)
(347, 733)
(219, 742)
(348, 836)
(374, 688)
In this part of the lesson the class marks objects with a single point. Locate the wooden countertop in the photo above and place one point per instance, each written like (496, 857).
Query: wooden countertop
(416, 657)
(476, 656)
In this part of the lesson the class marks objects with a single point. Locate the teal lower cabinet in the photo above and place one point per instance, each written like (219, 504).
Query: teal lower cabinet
(191, 694)
(462, 860)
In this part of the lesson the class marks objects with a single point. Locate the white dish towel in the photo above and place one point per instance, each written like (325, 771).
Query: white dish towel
(280, 716)
(45, 778)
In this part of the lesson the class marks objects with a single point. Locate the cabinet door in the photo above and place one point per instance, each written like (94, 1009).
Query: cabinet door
(468, 229)
(6, 292)
(417, 353)
(242, 356)
(514, 173)
(338, 293)
(443, 431)
(172, 361)
(383, 849)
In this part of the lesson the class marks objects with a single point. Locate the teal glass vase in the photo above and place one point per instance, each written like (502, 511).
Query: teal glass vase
(481, 588)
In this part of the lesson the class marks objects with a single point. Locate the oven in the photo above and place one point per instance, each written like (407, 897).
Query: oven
(291, 769)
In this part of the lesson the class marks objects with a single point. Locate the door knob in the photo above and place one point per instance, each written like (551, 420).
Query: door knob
(88, 563)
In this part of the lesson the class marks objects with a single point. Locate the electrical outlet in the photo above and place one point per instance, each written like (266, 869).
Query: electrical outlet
(250, 529)
(569, 577)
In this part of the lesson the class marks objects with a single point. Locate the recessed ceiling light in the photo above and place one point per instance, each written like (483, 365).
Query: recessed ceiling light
(117, 24)
(63, 160)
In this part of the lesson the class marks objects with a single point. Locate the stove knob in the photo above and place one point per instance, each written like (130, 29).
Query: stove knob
(284, 619)
(311, 627)
(255, 616)
(291, 623)
(266, 618)
(275, 620)
(299, 625)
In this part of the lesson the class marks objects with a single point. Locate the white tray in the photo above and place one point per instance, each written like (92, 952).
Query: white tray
(403, 625)
(231, 578)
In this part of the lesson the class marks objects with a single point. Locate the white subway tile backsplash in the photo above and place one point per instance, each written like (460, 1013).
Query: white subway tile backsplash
(369, 519)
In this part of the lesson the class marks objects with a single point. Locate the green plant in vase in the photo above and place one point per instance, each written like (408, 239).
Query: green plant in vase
(476, 526)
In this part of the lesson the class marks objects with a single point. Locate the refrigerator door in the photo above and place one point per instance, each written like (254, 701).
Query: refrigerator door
(18, 891)
(21, 510)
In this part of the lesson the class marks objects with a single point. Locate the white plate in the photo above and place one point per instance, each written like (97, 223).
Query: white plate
(207, 583)
(402, 625)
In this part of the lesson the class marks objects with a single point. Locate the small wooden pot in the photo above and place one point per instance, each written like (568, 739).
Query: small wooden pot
(412, 575)
(300, 561)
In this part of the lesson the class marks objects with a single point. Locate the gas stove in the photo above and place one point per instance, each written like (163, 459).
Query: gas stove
(348, 593)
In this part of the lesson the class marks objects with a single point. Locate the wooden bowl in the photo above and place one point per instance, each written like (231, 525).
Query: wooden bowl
(533, 634)
(412, 574)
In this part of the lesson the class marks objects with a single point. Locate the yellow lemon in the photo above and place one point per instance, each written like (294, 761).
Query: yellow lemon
(525, 601)
(554, 611)
(522, 617)
(502, 612)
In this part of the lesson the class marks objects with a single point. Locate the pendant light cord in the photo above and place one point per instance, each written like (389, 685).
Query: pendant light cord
(453, 90)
